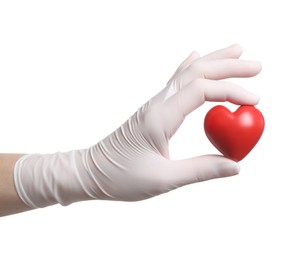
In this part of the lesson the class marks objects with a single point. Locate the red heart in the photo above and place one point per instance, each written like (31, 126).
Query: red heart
(234, 134)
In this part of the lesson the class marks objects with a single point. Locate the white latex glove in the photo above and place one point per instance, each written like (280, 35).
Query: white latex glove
(133, 162)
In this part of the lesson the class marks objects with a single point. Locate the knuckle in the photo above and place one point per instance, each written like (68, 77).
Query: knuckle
(198, 69)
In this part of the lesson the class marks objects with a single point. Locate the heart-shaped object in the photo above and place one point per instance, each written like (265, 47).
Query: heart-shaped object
(234, 134)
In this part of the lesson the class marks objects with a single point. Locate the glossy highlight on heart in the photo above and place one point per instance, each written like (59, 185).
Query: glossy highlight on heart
(234, 134)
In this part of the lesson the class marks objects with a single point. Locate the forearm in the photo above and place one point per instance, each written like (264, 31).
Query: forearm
(10, 203)
(40, 180)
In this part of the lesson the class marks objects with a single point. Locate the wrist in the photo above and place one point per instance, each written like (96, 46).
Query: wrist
(42, 180)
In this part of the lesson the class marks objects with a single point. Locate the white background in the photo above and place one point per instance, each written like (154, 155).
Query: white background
(73, 71)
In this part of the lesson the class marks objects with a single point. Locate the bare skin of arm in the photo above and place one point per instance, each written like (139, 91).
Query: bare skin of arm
(10, 203)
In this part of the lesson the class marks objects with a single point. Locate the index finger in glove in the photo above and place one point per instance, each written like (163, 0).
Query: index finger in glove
(201, 90)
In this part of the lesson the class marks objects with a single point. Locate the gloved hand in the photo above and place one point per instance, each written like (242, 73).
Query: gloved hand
(133, 162)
